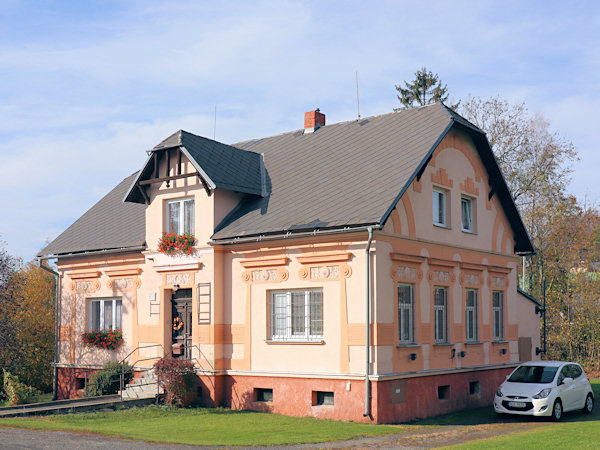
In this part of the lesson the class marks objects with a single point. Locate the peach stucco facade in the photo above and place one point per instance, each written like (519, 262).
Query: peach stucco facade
(231, 287)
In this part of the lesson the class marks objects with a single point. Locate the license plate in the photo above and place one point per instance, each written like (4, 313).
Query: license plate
(517, 404)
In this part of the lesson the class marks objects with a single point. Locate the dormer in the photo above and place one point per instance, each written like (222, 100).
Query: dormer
(191, 183)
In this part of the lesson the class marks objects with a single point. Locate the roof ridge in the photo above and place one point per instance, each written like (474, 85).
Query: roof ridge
(345, 122)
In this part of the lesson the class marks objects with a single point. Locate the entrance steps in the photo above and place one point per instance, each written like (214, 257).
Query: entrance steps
(143, 387)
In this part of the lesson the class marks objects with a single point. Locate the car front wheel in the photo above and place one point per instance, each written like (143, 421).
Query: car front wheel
(557, 410)
(589, 404)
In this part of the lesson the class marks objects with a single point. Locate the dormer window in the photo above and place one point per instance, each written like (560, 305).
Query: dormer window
(180, 216)
(439, 207)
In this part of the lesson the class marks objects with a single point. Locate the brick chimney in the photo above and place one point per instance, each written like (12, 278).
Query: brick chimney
(313, 120)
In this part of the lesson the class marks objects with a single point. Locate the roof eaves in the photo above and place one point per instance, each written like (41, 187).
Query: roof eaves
(530, 297)
(135, 181)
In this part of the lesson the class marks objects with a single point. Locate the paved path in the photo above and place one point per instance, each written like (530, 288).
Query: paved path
(20, 438)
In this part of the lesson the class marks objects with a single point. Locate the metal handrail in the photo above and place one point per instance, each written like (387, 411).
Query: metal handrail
(122, 380)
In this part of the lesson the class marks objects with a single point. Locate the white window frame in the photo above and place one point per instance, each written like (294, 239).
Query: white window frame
(440, 312)
(183, 227)
(101, 324)
(406, 328)
(440, 196)
(466, 201)
(498, 315)
(471, 319)
(286, 313)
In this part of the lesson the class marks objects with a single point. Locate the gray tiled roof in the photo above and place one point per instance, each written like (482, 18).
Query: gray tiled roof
(354, 173)
(109, 224)
(343, 174)
(221, 165)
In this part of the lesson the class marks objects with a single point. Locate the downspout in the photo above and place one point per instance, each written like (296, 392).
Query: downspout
(56, 303)
(368, 328)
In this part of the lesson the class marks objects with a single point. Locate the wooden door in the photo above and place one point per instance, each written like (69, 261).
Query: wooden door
(181, 302)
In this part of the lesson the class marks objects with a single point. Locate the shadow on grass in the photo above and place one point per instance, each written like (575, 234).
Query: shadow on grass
(486, 415)
(482, 416)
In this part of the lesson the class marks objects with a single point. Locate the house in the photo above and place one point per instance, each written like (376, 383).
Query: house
(364, 270)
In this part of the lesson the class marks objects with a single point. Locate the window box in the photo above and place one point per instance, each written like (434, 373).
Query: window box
(105, 339)
(172, 243)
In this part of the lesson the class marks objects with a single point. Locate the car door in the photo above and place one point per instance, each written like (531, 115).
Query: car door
(579, 385)
(566, 390)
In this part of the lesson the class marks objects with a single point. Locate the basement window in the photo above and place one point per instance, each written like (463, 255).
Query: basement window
(444, 392)
(474, 388)
(322, 398)
(263, 395)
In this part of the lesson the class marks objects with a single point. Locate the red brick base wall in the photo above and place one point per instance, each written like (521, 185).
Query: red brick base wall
(71, 381)
(392, 401)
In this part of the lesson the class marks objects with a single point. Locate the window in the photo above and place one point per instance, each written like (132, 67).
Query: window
(498, 313)
(474, 388)
(297, 315)
(444, 392)
(439, 312)
(105, 313)
(405, 313)
(471, 315)
(180, 216)
(263, 395)
(439, 207)
(322, 398)
(466, 207)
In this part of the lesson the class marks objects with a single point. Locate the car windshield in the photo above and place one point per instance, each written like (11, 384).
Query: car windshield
(533, 374)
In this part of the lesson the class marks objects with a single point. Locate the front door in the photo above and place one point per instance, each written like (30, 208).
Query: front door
(181, 302)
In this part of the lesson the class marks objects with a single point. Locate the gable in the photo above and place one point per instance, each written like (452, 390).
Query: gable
(216, 165)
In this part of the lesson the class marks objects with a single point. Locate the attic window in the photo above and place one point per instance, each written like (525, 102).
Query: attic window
(439, 207)
(179, 216)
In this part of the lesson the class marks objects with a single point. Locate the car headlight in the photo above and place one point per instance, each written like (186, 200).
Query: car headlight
(542, 394)
(499, 393)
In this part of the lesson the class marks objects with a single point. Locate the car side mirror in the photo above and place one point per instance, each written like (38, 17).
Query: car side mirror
(567, 380)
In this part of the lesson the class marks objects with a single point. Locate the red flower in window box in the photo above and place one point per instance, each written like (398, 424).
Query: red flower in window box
(172, 243)
(107, 339)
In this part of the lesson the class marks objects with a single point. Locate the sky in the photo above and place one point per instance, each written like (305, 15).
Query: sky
(87, 87)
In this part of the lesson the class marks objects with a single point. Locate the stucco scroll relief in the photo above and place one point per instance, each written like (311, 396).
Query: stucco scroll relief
(85, 286)
(470, 279)
(178, 278)
(120, 284)
(265, 275)
(441, 276)
(406, 273)
(325, 272)
(498, 282)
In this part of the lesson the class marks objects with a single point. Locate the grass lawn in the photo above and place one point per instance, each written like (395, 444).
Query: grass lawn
(204, 426)
(576, 430)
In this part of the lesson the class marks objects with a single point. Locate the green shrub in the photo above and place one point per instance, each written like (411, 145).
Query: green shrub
(108, 380)
(17, 393)
(179, 380)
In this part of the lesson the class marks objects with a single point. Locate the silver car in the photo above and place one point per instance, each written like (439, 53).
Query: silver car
(545, 388)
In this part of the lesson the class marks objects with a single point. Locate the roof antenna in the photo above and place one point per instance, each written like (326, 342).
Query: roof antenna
(215, 127)
(357, 101)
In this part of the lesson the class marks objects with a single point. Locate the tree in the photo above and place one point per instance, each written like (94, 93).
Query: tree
(566, 236)
(426, 88)
(534, 161)
(27, 325)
